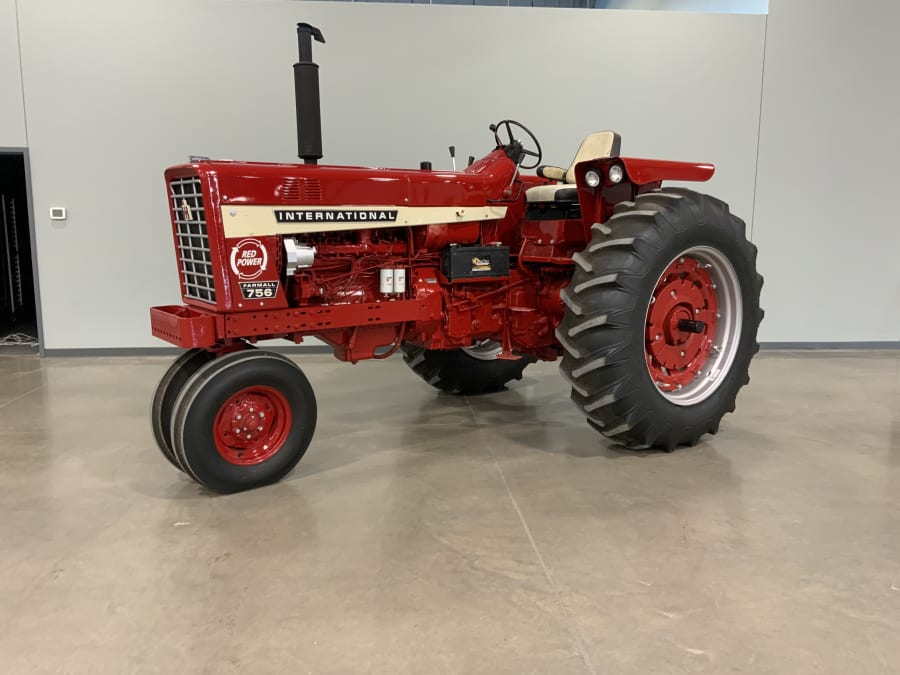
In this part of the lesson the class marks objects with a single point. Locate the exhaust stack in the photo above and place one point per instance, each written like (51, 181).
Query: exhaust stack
(306, 94)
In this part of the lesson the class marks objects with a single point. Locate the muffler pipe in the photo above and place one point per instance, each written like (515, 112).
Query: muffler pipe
(306, 94)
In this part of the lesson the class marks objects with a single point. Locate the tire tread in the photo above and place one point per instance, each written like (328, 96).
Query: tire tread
(603, 325)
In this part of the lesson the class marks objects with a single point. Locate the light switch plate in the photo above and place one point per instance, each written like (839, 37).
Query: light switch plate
(57, 213)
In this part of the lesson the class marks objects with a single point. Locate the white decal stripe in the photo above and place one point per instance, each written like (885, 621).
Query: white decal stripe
(259, 221)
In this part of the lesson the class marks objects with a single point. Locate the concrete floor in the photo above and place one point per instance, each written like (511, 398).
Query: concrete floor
(424, 533)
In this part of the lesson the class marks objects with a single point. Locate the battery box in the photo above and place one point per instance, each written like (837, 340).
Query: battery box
(474, 262)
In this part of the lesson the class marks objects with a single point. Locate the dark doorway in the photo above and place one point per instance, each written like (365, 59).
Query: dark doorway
(18, 303)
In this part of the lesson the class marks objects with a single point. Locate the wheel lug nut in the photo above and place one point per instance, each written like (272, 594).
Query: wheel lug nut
(682, 353)
(261, 414)
(697, 311)
(237, 417)
(259, 428)
(248, 437)
(673, 294)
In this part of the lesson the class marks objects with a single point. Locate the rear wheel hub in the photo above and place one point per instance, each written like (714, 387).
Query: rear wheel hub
(693, 325)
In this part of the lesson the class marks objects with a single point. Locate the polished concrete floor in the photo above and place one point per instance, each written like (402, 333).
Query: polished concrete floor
(424, 533)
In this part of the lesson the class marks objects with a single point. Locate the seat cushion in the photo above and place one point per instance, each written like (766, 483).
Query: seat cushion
(552, 172)
(552, 193)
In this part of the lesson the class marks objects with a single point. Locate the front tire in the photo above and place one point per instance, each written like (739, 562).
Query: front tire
(165, 395)
(473, 370)
(661, 319)
(243, 421)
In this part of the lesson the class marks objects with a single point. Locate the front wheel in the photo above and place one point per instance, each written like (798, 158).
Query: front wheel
(167, 392)
(243, 420)
(661, 319)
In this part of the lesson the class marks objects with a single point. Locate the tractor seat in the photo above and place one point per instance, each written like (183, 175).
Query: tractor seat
(597, 145)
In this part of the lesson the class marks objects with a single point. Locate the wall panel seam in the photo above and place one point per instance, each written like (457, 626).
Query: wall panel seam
(21, 69)
(762, 88)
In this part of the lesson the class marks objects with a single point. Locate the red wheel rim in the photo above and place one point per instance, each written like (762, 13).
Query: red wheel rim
(676, 355)
(252, 425)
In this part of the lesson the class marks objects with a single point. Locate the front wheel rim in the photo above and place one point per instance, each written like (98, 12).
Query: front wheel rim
(252, 425)
(693, 325)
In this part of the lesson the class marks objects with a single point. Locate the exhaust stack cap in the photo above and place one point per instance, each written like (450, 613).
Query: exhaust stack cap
(306, 33)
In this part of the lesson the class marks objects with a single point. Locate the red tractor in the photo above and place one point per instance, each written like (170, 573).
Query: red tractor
(649, 295)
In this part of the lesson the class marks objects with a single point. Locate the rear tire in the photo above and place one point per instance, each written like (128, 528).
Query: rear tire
(661, 319)
(475, 370)
(243, 421)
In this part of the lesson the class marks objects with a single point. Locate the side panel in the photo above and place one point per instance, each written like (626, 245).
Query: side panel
(253, 272)
(275, 219)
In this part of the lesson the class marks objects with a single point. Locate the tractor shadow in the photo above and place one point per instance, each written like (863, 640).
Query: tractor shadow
(525, 415)
(529, 425)
(538, 414)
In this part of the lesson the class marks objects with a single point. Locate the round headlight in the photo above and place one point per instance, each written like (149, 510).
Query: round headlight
(615, 173)
(592, 178)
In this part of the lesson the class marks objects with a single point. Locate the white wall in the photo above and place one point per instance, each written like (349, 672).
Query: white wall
(12, 116)
(115, 94)
(736, 6)
(826, 224)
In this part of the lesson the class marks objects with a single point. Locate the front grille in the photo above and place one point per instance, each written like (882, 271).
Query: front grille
(194, 259)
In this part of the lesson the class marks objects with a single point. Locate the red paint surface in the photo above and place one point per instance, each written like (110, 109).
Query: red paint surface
(684, 291)
(643, 171)
(338, 298)
(252, 425)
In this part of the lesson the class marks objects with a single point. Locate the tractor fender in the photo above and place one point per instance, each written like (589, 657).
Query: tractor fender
(643, 171)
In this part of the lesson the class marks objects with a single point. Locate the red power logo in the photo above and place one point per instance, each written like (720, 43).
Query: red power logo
(248, 259)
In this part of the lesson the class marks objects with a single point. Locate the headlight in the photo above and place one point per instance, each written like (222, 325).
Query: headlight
(592, 178)
(615, 173)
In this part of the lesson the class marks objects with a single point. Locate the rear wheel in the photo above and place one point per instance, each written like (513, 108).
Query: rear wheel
(243, 421)
(471, 370)
(661, 319)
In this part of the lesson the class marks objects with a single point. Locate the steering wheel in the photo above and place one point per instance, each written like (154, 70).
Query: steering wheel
(514, 147)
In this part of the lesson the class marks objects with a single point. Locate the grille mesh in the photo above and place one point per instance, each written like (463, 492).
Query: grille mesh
(194, 258)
